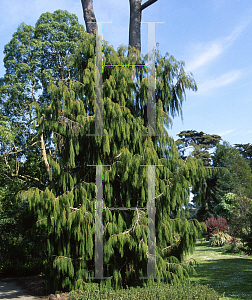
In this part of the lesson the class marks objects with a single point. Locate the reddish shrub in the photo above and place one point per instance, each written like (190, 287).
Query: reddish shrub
(216, 225)
(232, 241)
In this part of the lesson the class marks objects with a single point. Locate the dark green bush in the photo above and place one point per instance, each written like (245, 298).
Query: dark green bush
(182, 291)
(17, 268)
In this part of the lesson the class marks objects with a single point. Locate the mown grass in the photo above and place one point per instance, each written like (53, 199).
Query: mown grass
(225, 273)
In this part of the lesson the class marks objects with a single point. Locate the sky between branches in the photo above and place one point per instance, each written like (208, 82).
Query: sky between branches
(212, 37)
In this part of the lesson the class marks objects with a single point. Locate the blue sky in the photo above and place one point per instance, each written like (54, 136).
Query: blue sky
(212, 37)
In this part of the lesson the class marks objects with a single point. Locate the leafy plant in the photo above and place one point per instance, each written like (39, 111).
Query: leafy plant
(161, 291)
(219, 239)
(215, 226)
(247, 239)
(226, 206)
(234, 246)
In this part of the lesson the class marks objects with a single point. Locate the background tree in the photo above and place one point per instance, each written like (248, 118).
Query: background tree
(33, 57)
(65, 203)
(235, 177)
(200, 142)
(246, 152)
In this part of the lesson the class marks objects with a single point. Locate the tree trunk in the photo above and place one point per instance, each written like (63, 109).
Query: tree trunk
(89, 16)
(135, 25)
(135, 18)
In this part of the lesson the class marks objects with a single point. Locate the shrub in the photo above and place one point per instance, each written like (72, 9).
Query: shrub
(182, 291)
(247, 239)
(215, 226)
(219, 239)
(234, 246)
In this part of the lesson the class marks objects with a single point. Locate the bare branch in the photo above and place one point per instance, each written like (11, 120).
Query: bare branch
(6, 162)
(137, 221)
(169, 247)
(44, 154)
(147, 3)
(23, 148)
(119, 155)
(36, 179)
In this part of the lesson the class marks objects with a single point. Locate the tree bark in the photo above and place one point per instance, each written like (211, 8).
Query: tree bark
(44, 154)
(135, 22)
(135, 18)
(135, 25)
(89, 16)
(147, 3)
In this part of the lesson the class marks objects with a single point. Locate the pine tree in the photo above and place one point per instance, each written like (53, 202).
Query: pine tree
(66, 207)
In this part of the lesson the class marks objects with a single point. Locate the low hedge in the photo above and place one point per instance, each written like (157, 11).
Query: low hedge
(162, 291)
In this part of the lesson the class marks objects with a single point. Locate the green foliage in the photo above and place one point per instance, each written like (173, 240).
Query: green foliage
(58, 100)
(234, 177)
(226, 206)
(219, 239)
(246, 152)
(30, 62)
(185, 291)
(239, 219)
(201, 143)
(234, 245)
(247, 238)
(228, 157)
(18, 249)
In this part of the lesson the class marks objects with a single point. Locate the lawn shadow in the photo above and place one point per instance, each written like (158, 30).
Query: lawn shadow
(229, 275)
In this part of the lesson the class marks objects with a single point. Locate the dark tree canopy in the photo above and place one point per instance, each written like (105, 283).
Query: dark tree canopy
(246, 152)
(201, 143)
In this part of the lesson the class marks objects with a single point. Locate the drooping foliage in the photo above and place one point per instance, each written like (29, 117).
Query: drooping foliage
(61, 92)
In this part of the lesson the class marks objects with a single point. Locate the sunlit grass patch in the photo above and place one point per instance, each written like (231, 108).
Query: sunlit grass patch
(225, 273)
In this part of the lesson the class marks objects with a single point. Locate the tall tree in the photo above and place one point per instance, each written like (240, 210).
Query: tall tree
(200, 142)
(33, 57)
(65, 204)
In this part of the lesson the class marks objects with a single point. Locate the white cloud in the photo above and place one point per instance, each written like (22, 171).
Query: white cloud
(225, 132)
(206, 53)
(223, 80)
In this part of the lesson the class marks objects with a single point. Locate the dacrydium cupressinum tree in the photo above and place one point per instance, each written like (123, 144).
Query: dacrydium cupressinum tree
(66, 206)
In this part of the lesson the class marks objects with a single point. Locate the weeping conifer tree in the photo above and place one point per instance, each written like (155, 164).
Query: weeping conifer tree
(66, 207)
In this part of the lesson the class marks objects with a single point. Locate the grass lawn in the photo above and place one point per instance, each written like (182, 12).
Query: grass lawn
(227, 273)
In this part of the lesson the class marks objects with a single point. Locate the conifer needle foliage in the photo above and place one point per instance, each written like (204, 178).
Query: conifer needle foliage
(58, 85)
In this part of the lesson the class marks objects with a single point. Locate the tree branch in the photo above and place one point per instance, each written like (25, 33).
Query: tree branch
(137, 221)
(23, 148)
(147, 3)
(44, 154)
